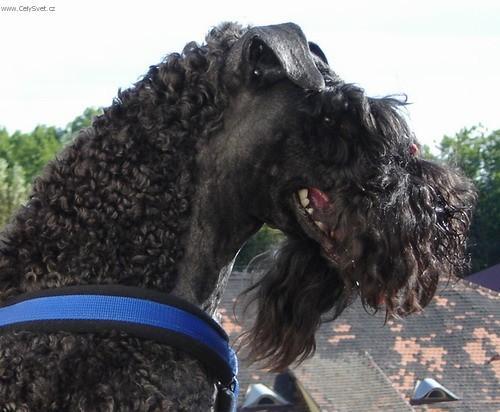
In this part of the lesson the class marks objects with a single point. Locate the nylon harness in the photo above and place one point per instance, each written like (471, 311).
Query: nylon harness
(143, 313)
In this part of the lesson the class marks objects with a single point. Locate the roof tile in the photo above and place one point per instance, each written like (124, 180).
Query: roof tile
(456, 340)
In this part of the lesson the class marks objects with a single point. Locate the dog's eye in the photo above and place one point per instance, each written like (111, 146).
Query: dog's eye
(327, 120)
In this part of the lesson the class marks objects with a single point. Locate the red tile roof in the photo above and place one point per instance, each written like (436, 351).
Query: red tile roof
(456, 341)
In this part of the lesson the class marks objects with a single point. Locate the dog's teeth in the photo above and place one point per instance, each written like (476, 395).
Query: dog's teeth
(321, 225)
(303, 193)
(310, 210)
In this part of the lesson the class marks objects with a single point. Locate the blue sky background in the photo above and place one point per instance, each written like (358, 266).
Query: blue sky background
(445, 55)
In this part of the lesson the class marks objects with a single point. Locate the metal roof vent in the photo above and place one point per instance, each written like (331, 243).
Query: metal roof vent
(260, 395)
(430, 391)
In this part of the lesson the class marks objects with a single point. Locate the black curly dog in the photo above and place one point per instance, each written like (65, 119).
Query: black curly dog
(167, 185)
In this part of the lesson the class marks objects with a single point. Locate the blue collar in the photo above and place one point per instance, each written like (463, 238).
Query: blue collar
(144, 313)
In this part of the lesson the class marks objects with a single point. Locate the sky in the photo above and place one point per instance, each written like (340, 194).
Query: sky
(444, 55)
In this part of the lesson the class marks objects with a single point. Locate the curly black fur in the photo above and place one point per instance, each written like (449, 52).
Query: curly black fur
(124, 203)
(111, 209)
(179, 172)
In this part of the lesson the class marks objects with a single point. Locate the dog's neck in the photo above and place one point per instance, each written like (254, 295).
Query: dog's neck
(218, 228)
(213, 230)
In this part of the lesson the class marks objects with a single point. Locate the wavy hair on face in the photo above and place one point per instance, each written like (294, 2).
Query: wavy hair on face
(392, 233)
(297, 288)
(393, 270)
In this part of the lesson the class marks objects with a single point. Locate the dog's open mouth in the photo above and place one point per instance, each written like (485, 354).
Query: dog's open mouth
(314, 209)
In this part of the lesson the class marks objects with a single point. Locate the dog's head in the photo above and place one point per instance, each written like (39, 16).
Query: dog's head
(340, 174)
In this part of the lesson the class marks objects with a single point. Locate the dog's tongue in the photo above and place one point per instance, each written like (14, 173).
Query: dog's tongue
(318, 198)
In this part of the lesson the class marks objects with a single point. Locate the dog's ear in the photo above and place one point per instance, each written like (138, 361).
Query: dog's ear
(315, 49)
(263, 68)
(280, 51)
(270, 53)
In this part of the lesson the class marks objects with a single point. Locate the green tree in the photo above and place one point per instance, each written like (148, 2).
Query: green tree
(263, 240)
(4, 144)
(13, 189)
(84, 120)
(33, 150)
(477, 153)
(23, 155)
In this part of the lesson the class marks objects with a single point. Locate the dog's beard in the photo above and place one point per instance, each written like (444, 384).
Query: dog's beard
(390, 255)
(296, 289)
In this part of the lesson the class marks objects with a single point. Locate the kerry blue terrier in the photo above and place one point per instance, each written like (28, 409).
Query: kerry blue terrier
(165, 187)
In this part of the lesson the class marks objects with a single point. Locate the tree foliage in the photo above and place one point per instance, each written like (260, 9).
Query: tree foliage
(13, 189)
(84, 120)
(23, 156)
(33, 150)
(262, 241)
(477, 153)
